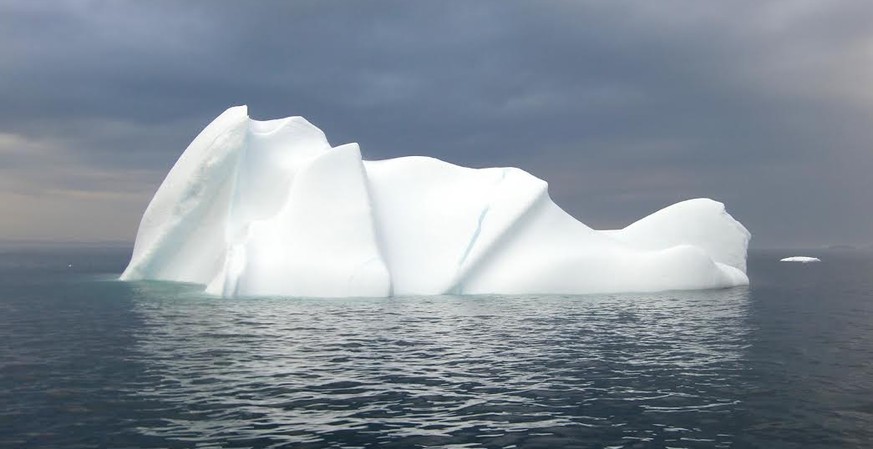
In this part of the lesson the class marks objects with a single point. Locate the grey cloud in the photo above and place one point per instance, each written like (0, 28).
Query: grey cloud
(624, 106)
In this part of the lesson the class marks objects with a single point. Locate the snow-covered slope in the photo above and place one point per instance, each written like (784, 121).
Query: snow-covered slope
(270, 208)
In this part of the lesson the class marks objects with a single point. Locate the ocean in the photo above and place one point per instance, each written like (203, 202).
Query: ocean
(90, 362)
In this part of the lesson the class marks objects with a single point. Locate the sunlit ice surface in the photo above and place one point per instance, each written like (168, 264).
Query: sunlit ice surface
(261, 208)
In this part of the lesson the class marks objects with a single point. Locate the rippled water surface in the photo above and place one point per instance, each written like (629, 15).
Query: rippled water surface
(86, 361)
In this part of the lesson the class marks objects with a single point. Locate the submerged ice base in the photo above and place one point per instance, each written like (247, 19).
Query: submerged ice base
(256, 208)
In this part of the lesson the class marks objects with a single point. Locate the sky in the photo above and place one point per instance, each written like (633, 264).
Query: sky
(624, 107)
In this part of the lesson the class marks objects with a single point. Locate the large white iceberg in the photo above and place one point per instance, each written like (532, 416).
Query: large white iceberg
(270, 208)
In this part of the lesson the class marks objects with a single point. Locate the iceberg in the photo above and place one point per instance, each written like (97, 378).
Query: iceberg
(255, 208)
(801, 259)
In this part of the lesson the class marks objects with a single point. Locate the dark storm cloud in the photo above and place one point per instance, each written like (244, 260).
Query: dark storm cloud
(624, 106)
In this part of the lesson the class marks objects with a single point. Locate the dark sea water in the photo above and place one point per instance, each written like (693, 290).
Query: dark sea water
(86, 361)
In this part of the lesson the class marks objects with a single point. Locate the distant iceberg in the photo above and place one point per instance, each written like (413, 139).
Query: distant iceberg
(256, 208)
(801, 259)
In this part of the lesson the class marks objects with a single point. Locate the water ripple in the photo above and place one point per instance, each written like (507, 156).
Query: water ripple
(470, 372)
(87, 362)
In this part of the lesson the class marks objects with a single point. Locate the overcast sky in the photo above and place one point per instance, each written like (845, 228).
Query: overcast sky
(623, 106)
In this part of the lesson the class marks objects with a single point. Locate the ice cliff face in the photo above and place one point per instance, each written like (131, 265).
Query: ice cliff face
(270, 208)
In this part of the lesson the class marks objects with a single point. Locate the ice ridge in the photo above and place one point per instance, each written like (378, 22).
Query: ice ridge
(255, 208)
